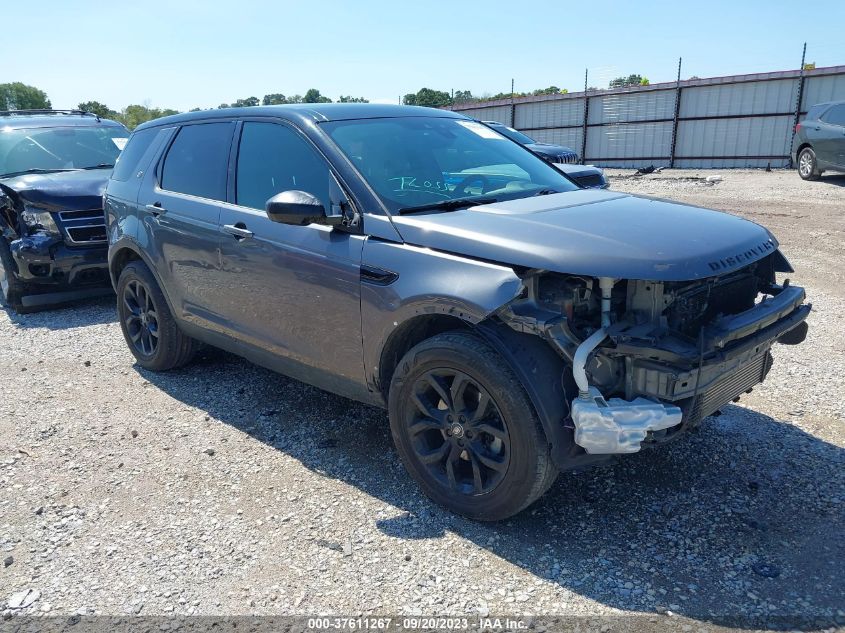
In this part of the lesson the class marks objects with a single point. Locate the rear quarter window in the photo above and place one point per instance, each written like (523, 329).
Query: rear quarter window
(127, 161)
(835, 116)
(814, 112)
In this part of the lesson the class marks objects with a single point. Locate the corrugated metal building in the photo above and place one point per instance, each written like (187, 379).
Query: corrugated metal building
(736, 121)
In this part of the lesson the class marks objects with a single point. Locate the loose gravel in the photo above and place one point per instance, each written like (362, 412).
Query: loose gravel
(225, 489)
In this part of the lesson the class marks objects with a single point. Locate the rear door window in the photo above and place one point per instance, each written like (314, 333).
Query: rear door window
(197, 161)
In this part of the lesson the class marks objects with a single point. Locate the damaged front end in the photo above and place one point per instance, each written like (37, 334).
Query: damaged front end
(53, 255)
(650, 359)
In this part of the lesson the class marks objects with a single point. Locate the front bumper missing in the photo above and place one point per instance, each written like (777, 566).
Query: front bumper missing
(680, 384)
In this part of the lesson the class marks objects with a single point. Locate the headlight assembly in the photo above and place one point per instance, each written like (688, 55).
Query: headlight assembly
(35, 218)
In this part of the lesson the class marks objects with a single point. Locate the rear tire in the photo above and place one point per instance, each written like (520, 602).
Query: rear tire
(466, 430)
(11, 289)
(151, 332)
(808, 168)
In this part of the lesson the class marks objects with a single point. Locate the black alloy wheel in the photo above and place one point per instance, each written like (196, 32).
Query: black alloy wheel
(465, 428)
(458, 433)
(151, 332)
(141, 319)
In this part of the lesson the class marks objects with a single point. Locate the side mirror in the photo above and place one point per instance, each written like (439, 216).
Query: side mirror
(299, 208)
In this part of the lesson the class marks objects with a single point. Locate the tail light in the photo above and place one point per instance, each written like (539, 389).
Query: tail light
(797, 128)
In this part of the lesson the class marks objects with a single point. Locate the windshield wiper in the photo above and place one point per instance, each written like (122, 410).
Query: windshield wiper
(100, 166)
(34, 170)
(449, 205)
(545, 192)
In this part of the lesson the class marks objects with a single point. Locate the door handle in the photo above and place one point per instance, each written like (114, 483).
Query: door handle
(156, 209)
(238, 231)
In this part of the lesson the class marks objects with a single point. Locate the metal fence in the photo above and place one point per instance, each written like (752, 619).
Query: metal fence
(737, 121)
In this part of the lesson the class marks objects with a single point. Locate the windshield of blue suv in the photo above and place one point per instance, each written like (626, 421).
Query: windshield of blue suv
(44, 149)
(422, 161)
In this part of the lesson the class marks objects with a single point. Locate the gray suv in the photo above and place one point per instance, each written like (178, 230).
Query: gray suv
(819, 142)
(513, 324)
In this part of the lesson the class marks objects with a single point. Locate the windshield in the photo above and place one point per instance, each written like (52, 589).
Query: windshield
(512, 134)
(58, 148)
(420, 161)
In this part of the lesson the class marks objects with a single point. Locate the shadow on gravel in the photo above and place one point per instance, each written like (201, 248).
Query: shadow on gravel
(832, 179)
(738, 524)
(94, 311)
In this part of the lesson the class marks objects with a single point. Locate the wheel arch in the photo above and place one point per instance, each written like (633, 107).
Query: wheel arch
(125, 252)
(548, 381)
(408, 334)
(544, 375)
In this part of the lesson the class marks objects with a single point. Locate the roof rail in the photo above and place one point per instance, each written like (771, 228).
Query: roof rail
(45, 111)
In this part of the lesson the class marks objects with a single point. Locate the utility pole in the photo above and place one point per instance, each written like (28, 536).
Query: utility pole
(798, 100)
(586, 114)
(677, 113)
(513, 108)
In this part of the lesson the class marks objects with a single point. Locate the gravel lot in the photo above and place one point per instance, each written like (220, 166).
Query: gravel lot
(226, 489)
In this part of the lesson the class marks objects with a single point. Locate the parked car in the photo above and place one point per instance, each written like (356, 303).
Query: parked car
(819, 142)
(512, 324)
(564, 158)
(54, 165)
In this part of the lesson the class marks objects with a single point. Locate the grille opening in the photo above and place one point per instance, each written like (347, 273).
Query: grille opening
(591, 180)
(89, 214)
(87, 234)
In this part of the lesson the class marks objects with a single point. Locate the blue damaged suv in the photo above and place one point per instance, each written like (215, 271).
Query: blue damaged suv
(54, 165)
(512, 323)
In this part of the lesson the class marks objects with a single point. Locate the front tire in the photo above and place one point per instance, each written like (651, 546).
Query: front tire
(466, 430)
(151, 332)
(11, 289)
(808, 167)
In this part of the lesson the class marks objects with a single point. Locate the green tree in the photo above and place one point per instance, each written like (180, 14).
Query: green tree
(644, 81)
(429, 98)
(249, 102)
(277, 98)
(463, 96)
(296, 99)
(19, 96)
(223, 105)
(313, 96)
(134, 115)
(551, 90)
(630, 80)
(100, 109)
(343, 99)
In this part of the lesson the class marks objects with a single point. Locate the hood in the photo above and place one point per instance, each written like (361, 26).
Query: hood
(60, 190)
(596, 233)
(574, 169)
(549, 148)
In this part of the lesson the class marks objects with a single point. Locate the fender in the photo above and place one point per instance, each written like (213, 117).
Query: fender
(413, 282)
(128, 243)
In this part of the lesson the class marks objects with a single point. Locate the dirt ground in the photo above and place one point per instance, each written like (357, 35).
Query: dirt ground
(225, 489)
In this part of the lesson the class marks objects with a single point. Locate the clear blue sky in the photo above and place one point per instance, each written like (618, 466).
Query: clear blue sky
(201, 53)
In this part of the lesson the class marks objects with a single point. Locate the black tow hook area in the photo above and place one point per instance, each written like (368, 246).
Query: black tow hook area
(796, 335)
